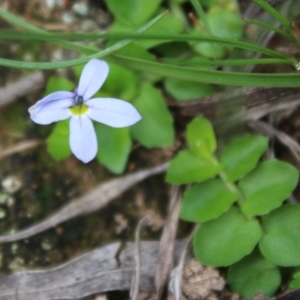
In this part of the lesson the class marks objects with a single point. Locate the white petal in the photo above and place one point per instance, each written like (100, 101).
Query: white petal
(51, 112)
(83, 141)
(92, 78)
(52, 108)
(112, 112)
(56, 96)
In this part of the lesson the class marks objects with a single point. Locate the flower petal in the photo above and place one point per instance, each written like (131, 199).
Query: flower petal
(56, 96)
(53, 111)
(83, 141)
(92, 78)
(112, 112)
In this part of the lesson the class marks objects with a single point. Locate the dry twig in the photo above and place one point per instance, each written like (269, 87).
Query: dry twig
(166, 246)
(21, 87)
(281, 136)
(136, 279)
(20, 147)
(94, 200)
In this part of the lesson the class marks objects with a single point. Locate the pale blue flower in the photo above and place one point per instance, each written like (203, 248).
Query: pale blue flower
(81, 110)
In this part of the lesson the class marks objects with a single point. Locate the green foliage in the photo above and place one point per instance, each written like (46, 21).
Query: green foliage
(234, 191)
(113, 147)
(156, 127)
(227, 239)
(56, 83)
(207, 200)
(281, 239)
(295, 282)
(58, 141)
(186, 90)
(201, 138)
(223, 23)
(254, 275)
(133, 12)
(187, 167)
(167, 25)
(249, 149)
(234, 195)
(122, 89)
(266, 187)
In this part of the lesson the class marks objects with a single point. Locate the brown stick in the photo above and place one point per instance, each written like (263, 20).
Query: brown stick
(21, 87)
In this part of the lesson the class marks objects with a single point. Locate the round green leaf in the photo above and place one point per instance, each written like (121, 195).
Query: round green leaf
(267, 186)
(125, 89)
(113, 147)
(201, 137)
(209, 50)
(227, 239)
(207, 200)
(58, 141)
(224, 23)
(156, 127)
(281, 236)
(295, 283)
(133, 12)
(242, 155)
(254, 275)
(167, 25)
(185, 167)
(187, 90)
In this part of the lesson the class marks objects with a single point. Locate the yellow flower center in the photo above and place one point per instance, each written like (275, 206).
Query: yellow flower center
(79, 109)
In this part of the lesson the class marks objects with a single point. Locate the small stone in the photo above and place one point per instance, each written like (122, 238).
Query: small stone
(50, 3)
(68, 18)
(46, 245)
(81, 9)
(11, 184)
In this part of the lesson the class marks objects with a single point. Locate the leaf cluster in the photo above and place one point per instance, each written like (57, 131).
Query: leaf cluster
(239, 201)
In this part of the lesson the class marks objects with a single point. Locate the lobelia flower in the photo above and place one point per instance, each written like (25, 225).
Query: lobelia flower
(82, 109)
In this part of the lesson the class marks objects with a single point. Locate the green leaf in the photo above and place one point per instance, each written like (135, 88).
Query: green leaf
(113, 147)
(254, 275)
(56, 83)
(210, 76)
(156, 127)
(295, 283)
(201, 137)
(167, 25)
(133, 12)
(58, 141)
(135, 50)
(267, 186)
(89, 52)
(227, 239)
(274, 13)
(223, 23)
(186, 167)
(281, 236)
(113, 87)
(207, 200)
(186, 90)
(242, 155)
